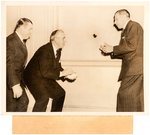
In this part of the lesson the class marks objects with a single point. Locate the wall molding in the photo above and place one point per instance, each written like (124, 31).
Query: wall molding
(85, 108)
(91, 63)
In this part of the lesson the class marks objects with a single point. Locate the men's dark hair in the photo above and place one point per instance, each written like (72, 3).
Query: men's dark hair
(123, 11)
(53, 34)
(22, 21)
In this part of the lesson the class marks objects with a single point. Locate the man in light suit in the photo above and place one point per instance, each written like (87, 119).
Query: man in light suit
(130, 96)
(16, 97)
(42, 72)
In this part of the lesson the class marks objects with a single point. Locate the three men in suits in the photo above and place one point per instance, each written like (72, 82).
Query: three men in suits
(42, 72)
(16, 97)
(130, 96)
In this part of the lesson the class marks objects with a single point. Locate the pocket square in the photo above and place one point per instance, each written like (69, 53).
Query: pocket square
(123, 37)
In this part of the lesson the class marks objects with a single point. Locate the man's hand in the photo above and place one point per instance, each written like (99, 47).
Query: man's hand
(106, 48)
(72, 76)
(17, 90)
(66, 72)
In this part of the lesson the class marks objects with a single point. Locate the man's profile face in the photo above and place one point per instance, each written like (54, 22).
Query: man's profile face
(59, 39)
(26, 30)
(118, 20)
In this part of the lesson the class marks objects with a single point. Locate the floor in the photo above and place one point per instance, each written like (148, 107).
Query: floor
(69, 108)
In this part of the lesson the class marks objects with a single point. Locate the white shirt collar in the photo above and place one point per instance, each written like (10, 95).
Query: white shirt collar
(19, 36)
(55, 49)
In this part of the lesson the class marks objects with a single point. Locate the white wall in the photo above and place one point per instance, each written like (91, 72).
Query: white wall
(96, 86)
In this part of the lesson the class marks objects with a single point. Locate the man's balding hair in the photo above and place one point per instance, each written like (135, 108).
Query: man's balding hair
(123, 12)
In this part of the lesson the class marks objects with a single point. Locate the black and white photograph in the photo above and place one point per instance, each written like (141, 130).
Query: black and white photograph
(74, 57)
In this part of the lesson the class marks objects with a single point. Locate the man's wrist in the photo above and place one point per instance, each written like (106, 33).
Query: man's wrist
(112, 53)
(15, 86)
(61, 74)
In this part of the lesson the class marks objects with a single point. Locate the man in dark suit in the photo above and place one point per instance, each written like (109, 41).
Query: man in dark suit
(130, 96)
(16, 97)
(42, 72)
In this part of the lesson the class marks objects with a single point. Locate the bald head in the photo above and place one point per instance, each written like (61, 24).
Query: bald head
(123, 12)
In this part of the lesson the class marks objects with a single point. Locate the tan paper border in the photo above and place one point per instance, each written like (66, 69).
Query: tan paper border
(72, 124)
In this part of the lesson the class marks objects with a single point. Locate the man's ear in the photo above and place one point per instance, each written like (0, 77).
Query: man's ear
(52, 38)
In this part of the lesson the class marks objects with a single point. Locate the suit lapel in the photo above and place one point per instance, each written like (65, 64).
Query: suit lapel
(20, 43)
(56, 63)
(21, 46)
(51, 50)
(126, 28)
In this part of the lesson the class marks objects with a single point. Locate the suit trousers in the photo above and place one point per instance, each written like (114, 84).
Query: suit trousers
(41, 104)
(16, 104)
(41, 95)
(130, 96)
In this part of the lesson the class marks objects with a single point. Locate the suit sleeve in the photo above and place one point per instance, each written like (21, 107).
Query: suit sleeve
(128, 42)
(46, 65)
(12, 78)
(116, 56)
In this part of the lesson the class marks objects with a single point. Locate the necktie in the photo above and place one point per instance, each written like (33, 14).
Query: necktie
(24, 41)
(58, 54)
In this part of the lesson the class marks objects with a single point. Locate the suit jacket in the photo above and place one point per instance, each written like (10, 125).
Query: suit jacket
(16, 60)
(130, 50)
(42, 69)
